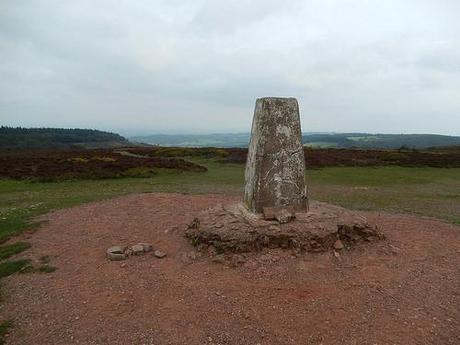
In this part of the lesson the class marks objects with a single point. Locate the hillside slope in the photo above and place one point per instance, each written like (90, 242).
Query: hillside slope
(382, 141)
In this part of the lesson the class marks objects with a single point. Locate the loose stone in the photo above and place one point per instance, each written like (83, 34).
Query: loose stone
(116, 253)
(159, 254)
(338, 245)
(146, 246)
(137, 249)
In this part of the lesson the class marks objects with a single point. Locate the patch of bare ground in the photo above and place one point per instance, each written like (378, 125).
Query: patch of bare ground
(404, 290)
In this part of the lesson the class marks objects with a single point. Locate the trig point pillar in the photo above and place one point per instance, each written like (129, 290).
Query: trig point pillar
(275, 167)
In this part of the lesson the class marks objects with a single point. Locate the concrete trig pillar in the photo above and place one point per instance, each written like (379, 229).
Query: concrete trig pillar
(275, 167)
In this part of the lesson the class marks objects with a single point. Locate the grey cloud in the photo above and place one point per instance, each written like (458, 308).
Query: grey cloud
(198, 65)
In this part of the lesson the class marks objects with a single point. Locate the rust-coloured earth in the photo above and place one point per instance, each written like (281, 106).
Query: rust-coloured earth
(404, 290)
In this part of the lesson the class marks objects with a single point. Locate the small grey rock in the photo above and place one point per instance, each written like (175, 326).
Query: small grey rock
(116, 253)
(283, 216)
(147, 247)
(159, 254)
(337, 255)
(138, 249)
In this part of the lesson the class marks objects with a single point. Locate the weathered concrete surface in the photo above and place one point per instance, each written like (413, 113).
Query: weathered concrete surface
(275, 167)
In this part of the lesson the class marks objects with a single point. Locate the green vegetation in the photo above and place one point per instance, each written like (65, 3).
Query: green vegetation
(433, 192)
(11, 249)
(425, 191)
(27, 138)
(46, 269)
(4, 326)
(9, 267)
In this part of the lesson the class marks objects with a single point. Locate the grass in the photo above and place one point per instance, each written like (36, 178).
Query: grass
(433, 192)
(10, 267)
(46, 269)
(11, 249)
(425, 191)
(20, 201)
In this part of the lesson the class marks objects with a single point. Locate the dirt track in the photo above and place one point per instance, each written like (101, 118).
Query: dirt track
(376, 294)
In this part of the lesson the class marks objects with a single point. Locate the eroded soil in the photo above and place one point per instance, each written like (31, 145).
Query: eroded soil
(404, 290)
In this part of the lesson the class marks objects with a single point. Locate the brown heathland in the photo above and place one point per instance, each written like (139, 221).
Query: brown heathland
(50, 165)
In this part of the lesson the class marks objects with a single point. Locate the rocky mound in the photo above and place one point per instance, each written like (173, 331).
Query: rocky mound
(231, 228)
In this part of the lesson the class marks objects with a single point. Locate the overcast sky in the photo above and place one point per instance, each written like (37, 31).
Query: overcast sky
(197, 66)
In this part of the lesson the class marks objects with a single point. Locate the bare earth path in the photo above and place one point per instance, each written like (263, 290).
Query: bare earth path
(376, 294)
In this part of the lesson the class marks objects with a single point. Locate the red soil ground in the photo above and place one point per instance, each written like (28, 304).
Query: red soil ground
(404, 290)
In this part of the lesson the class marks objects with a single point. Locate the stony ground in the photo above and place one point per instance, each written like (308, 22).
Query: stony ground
(404, 290)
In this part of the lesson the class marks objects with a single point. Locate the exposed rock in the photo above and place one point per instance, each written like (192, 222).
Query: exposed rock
(338, 245)
(146, 246)
(283, 214)
(241, 231)
(337, 256)
(116, 253)
(159, 254)
(270, 212)
(137, 249)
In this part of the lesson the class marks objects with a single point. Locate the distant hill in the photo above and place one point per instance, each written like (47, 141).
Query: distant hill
(323, 140)
(35, 138)
(195, 140)
(382, 141)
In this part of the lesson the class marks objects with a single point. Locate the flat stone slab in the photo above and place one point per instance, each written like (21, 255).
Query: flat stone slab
(159, 254)
(137, 249)
(116, 253)
(233, 228)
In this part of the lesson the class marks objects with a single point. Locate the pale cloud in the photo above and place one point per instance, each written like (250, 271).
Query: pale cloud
(199, 65)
